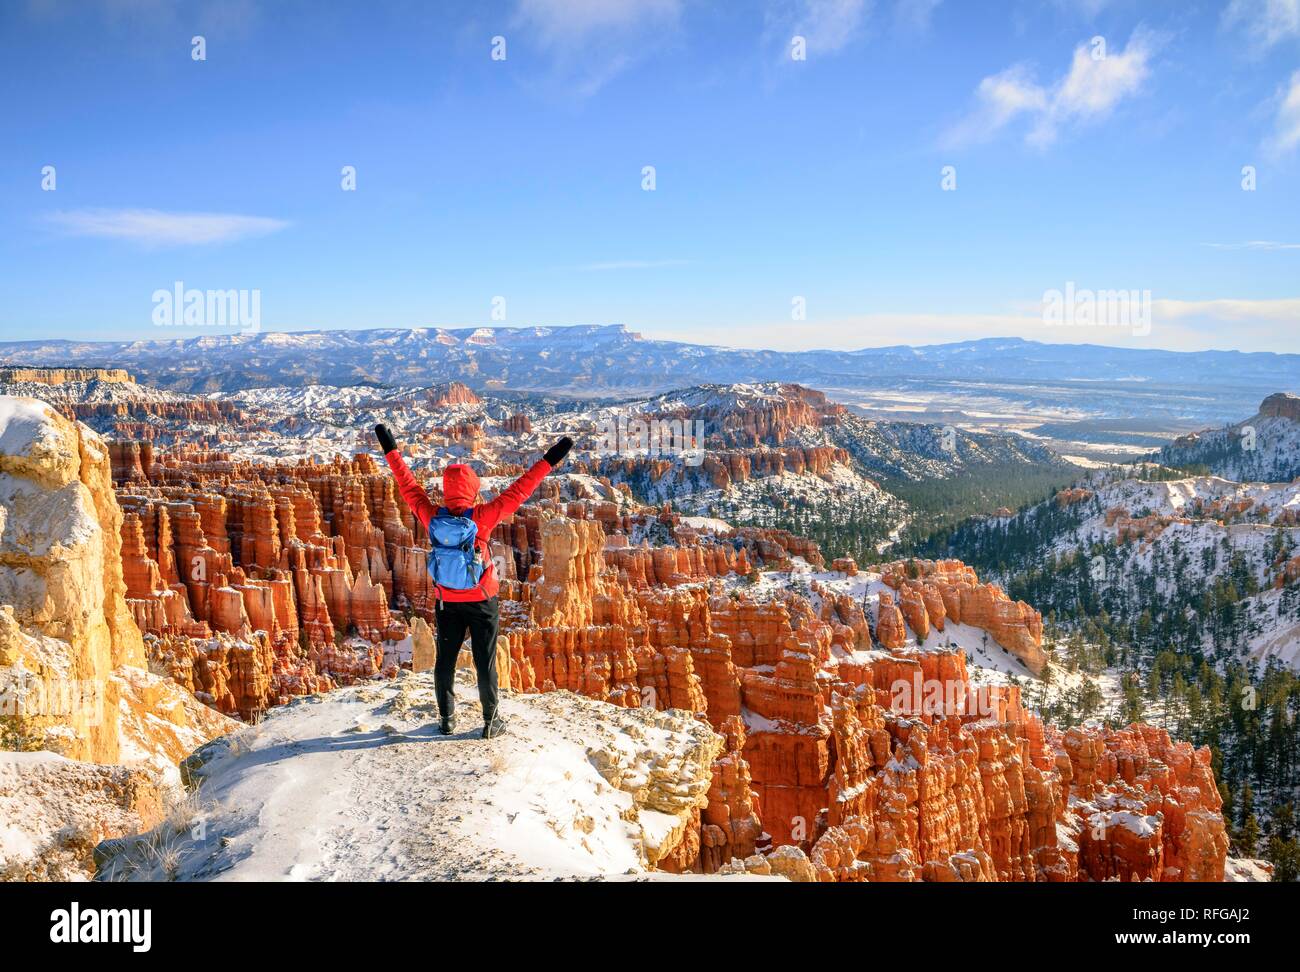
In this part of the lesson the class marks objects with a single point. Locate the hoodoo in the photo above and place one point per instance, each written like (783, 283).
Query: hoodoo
(308, 570)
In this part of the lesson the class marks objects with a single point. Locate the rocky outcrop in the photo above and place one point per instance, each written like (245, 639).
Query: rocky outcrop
(61, 376)
(845, 565)
(891, 630)
(60, 809)
(449, 394)
(1072, 495)
(1148, 528)
(845, 773)
(773, 418)
(1281, 405)
(674, 785)
(1147, 808)
(67, 637)
(517, 424)
(72, 660)
(571, 562)
(929, 592)
(307, 566)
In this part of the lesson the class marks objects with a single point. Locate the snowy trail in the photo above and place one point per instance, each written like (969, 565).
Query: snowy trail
(359, 784)
(894, 535)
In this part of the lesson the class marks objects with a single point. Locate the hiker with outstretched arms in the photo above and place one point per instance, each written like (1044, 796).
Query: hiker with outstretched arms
(460, 563)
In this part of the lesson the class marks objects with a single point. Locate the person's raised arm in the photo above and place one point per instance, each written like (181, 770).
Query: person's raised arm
(412, 492)
(513, 496)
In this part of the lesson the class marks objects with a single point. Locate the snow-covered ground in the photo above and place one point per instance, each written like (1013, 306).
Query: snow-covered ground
(1176, 497)
(1184, 559)
(894, 535)
(358, 784)
(54, 810)
(751, 502)
(1247, 869)
(1264, 447)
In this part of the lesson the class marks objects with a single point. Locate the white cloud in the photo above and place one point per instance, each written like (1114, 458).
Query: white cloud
(827, 25)
(1006, 95)
(567, 23)
(589, 42)
(215, 16)
(1283, 310)
(915, 15)
(1286, 128)
(1265, 22)
(1181, 325)
(1089, 8)
(631, 265)
(1088, 92)
(153, 227)
(1095, 85)
(1255, 245)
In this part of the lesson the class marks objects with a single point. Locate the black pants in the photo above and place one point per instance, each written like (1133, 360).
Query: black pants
(454, 618)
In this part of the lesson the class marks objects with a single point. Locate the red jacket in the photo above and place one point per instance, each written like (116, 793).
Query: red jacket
(459, 487)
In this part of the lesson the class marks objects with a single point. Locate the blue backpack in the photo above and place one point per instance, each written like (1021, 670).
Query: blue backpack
(454, 561)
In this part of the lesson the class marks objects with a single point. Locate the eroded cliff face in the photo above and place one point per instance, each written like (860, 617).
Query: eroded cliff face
(255, 583)
(1282, 405)
(62, 376)
(70, 653)
(73, 680)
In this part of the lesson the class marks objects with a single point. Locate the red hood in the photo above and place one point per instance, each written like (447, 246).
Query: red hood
(459, 487)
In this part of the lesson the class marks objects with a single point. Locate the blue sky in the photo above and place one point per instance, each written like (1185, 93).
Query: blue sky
(775, 178)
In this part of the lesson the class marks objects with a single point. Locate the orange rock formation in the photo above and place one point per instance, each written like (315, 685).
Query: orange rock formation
(845, 743)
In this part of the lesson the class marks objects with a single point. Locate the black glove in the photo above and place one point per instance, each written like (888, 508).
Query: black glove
(556, 453)
(386, 441)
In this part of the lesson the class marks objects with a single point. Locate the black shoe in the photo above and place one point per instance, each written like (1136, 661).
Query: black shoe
(496, 726)
(448, 725)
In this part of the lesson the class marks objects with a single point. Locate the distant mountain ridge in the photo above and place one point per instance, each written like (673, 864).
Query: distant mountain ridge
(588, 360)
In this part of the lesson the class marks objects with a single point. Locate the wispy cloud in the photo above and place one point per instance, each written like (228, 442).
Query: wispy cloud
(1000, 99)
(1286, 127)
(216, 16)
(631, 265)
(153, 227)
(1185, 325)
(1088, 92)
(915, 15)
(565, 23)
(1264, 22)
(590, 42)
(1255, 245)
(1089, 8)
(1234, 309)
(827, 25)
